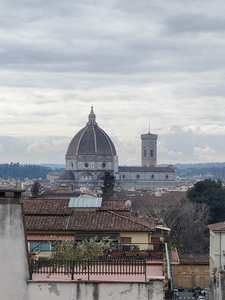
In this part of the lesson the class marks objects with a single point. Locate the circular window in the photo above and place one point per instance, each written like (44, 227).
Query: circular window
(86, 165)
(103, 165)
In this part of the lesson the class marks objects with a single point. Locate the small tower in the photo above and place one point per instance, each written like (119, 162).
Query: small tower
(149, 150)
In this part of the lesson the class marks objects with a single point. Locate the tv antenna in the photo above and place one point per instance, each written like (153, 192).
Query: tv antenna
(128, 203)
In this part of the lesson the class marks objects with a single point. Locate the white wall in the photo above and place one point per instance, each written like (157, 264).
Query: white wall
(217, 250)
(95, 290)
(13, 256)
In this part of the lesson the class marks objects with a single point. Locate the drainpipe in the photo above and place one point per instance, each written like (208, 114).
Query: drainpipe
(220, 252)
(168, 266)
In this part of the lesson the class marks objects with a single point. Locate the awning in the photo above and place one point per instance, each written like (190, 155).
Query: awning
(49, 237)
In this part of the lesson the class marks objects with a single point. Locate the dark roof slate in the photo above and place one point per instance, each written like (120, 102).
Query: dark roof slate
(66, 175)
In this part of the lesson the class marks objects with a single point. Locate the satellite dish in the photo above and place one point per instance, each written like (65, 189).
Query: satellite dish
(128, 203)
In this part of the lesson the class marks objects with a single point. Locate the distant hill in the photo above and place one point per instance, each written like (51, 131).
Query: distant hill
(54, 166)
(196, 165)
(15, 170)
(213, 171)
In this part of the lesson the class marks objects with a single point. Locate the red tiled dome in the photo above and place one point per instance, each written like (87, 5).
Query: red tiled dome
(91, 140)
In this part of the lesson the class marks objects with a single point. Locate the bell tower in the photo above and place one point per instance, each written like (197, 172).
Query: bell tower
(149, 150)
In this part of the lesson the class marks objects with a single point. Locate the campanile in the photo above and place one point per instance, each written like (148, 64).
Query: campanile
(149, 150)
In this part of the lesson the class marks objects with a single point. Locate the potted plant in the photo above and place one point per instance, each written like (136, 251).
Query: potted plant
(133, 250)
(143, 253)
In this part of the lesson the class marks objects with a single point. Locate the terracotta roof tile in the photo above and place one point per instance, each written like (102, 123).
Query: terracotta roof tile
(114, 205)
(55, 215)
(46, 207)
(145, 169)
(103, 221)
(194, 259)
(46, 222)
(217, 226)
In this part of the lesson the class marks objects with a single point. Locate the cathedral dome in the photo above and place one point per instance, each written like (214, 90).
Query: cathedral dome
(91, 140)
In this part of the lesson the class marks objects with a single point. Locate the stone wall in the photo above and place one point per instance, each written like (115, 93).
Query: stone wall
(191, 275)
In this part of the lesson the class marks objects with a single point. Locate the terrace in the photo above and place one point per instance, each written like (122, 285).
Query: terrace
(124, 262)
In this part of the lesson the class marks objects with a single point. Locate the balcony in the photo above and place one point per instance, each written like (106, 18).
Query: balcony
(124, 262)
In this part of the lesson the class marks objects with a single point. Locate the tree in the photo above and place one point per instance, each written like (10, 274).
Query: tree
(108, 186)
(87, 249)
(212, 194)
(187, 220)
(36, 189)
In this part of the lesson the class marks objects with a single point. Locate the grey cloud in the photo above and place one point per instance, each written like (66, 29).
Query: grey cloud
(136, 62)
(194, 23)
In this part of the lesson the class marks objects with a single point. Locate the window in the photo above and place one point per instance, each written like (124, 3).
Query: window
(72, 165)
(125, 243)
(151, 153)
(86, 165)
(138, 176)
(123, 176)
(39, 246)
(152, 176)
(103, 165)
(167, 176)
(144, 153)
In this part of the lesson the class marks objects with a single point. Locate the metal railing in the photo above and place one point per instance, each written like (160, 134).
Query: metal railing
(106, 266)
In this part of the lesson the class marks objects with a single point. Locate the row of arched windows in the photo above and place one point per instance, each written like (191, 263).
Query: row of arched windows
(152, 176)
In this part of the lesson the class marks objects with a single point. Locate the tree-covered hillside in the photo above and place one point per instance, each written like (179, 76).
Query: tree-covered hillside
(15, 170)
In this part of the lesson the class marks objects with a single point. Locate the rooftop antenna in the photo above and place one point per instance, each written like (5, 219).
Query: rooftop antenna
(128, 204)
(149, 127)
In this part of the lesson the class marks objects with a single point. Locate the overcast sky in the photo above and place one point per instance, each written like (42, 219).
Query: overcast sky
(136, 62)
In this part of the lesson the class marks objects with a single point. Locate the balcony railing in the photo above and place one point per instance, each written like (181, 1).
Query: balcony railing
(140, 247)
(106, 266)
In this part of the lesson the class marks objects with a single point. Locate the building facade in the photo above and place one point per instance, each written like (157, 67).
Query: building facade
(91, 152)
(217, 260)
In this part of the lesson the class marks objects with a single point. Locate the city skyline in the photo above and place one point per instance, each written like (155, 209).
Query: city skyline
(158, 63)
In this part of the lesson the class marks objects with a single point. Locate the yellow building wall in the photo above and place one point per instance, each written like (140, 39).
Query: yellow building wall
(190, 275)
(140, 238)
